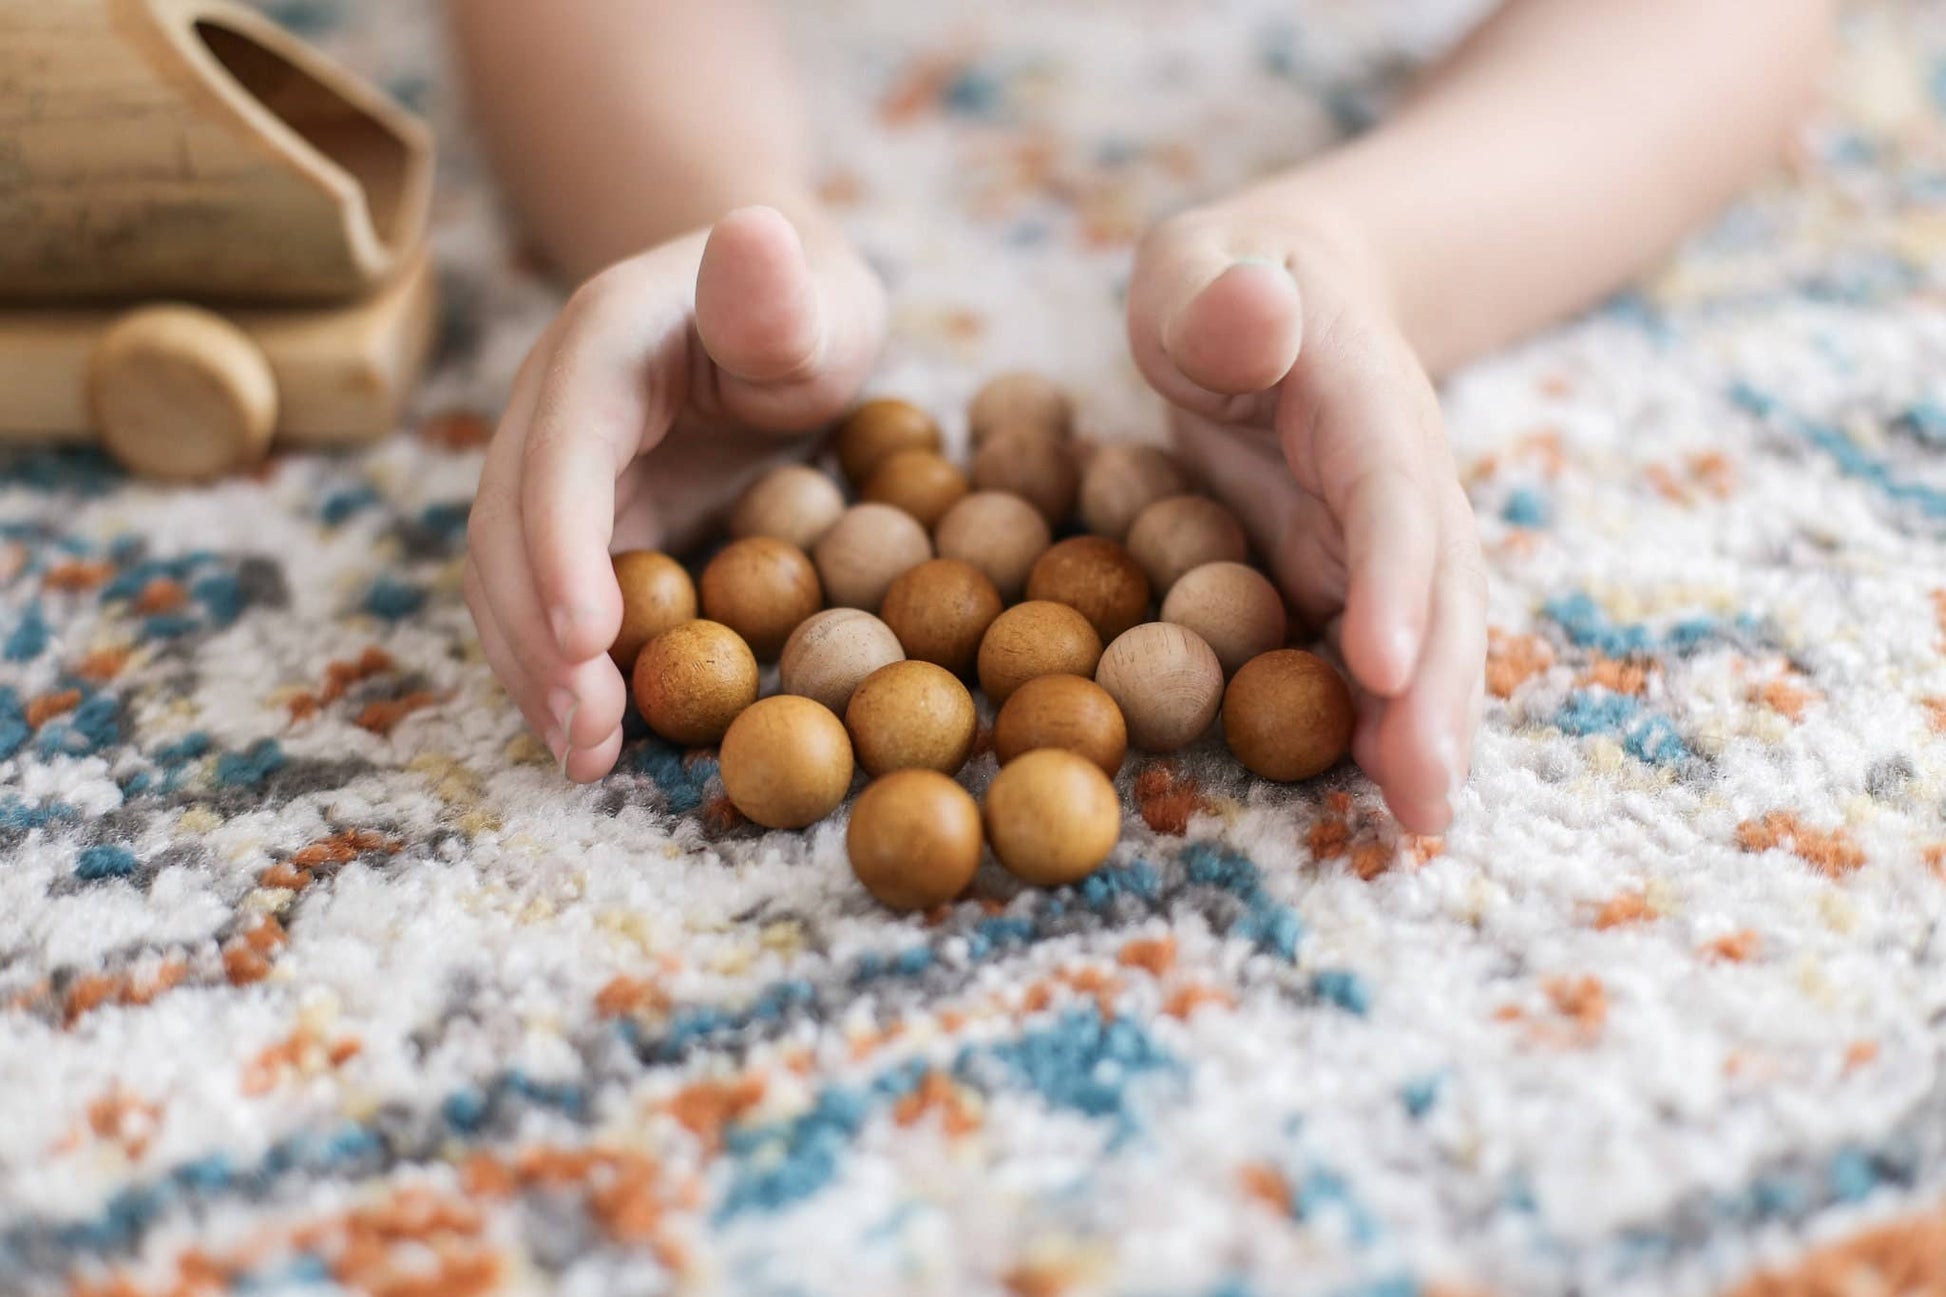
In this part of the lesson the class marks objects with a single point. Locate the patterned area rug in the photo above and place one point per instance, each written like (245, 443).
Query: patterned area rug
(312, 971)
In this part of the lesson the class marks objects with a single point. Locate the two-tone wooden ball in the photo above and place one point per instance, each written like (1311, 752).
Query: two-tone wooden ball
(693, 680)
(1019, 400)
(911, 715)
(924, 483)
(997, 532)
(865, 551)
(1038, 468)
(762, 588)
(1037, 638)
(1233, 606)
(940, 611)
(1052, 817)
(1167, 682)
(830, 653)
(1062, 711)
(786, 762)
(1288, 715)
(793, 502)
(656, 594)
(1121, 480)
(914, 839)
(878, 429)
(1097, 578)
(1171, 536)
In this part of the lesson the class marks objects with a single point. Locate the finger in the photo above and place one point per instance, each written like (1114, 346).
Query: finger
(573, 705)
(506, 668)
(585, 765)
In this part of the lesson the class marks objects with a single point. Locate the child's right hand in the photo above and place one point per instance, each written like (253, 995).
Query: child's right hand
(651, 395)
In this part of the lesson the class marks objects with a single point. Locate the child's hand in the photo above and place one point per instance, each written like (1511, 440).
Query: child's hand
(1273, 337)
(658, 389)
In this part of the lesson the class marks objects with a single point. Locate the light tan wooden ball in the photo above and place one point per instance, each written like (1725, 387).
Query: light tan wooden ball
(1033, 465)
(1052, 817)
(1019, 400)
(786, 762)
(761, 588)
(831, 652)
(1121, 480)
(792, 502)
(1062, 712)
(1233, 606)
(997, 532)
(914, 839)
(865, 551)
(878, 428)
(940, 611)
(656, 594)
(1037, 638)
(1184, 531)
(924, 483)
(1097, 578)
(1288, 715)
(1167, 682)
(692, 680)
(911, 715)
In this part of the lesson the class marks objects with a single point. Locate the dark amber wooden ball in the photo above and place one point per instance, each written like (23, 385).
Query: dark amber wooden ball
(1097, 578)
(1052, 817)
(1062, 711)
(656, 594)
(940, 611)
(877, 430)
(786, 762)
(1288, 715)
(1037, 638)
(692, 680)
(924, 483)
(914, 839)
(911, 715)
(761, 588)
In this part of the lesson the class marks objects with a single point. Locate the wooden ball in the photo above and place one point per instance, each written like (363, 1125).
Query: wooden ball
(1288, 715)
(1052, 817)
(865, 551)
(761, 588)
(692, 680)
(793, 502)
(940, 611)
(831, 652)
(1097, 578)
(1037, 638)
(878, 428)
(1171, 536)
(1167, 682)
(1233, 606)
(786, 762)
(180, 393)
(1034, 466)
(914, 839)
(1019, 400)
(911, 715)
(1062, 712)
(924, 483)
(997, 532)
(1123, 479)
(656, 594)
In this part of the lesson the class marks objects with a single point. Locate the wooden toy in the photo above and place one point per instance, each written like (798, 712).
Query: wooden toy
(762, 588)
(786, 762)
(656, 594)
(692, 680)
(865, 551)
(1184, 531)
(940, 611)
(997, 532)
(1035, 466)
(1036, 638)
(1233, 606)
(792, 502)
(1097, 578)
(1167, 682)
(911, 715)
(831, 652)
(878, 428)
(914, 839)
(1019, 400)
(1052, 817)
(1288, 715)
(924, 483)
(1062, 712)
(302, 194)
(1123, 479)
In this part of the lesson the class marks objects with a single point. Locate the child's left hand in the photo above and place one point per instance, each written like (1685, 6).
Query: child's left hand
(1302, 403)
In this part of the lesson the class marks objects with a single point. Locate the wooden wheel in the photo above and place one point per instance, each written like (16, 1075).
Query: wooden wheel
(181, 394)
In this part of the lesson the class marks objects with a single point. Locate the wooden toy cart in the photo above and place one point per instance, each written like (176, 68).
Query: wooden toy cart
(210, 235)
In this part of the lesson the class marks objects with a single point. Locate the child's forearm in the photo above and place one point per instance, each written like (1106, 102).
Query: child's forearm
(1559, 150)
(615, 126)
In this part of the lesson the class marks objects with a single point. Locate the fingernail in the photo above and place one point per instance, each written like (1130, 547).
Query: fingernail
(557, 744)
(1271, 262)
(563, 705)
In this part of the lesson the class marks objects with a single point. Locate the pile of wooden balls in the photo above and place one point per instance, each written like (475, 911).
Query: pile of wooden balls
(878, 612)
